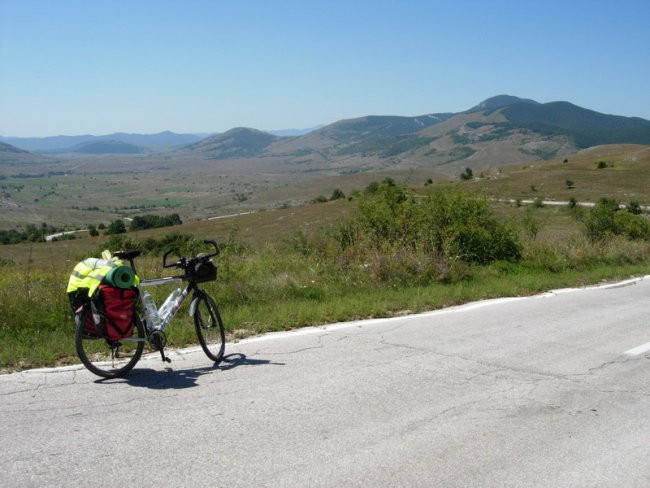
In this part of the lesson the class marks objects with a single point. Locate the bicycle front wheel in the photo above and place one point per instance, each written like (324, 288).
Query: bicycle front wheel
(105, 357)
(209, 327)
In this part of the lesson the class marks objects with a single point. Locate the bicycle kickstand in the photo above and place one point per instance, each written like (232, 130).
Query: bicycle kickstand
(164, 358)
(158, 341)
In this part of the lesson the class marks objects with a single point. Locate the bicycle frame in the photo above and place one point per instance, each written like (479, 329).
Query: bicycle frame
(165, 281)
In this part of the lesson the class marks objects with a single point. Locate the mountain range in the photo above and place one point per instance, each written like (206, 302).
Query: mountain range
(499, 131)
(162, 141)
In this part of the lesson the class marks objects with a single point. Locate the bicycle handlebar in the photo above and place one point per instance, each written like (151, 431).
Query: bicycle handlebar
(181, 262)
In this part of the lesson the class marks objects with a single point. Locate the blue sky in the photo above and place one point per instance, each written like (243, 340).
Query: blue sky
(143, 66)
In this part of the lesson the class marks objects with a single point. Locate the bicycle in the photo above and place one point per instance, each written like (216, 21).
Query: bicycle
(111, 358)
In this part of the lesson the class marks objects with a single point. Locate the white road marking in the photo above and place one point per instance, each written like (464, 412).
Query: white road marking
(639, 349)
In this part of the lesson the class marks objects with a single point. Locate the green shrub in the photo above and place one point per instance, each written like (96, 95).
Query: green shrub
(337, 194)
(467, 174)
(115, 227)
(149, 221)
(606, 219)
(442, 223)
(631, 226)
(634, 208)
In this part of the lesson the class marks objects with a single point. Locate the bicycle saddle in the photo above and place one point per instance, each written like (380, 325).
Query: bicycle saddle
(128, 254)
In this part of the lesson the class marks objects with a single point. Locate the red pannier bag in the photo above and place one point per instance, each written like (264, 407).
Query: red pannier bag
(112, 312)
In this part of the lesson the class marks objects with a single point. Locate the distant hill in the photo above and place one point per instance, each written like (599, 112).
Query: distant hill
(12, 155)
(498, 131)
(107, 147)
(8, 148)
(236, 143)
(162, 141)
(293, 132)
(586, 127)
(498, 102)
(377, 126)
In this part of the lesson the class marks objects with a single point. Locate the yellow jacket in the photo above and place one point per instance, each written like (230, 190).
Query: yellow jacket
(90, 272)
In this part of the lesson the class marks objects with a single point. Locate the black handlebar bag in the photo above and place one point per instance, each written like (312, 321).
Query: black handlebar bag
(204, 271)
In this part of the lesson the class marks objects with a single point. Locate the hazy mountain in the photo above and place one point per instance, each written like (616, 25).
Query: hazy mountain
(235, 143)
(13, 155)
(293, 132)
(378, 125)
(8, 148)
(498, 131)
(59, 144)
(107, 147)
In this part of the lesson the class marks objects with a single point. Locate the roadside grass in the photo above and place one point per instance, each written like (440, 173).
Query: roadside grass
(303, 279)
(36, 333)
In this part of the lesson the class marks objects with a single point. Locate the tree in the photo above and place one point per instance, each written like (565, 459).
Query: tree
(337, 195)
(116, 227)
(92, 231)
(468, 174)
(569, 184)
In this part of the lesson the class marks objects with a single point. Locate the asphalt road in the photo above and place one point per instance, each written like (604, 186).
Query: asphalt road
(549, 391)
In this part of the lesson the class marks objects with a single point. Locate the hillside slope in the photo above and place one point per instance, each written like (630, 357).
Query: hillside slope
(499, 131)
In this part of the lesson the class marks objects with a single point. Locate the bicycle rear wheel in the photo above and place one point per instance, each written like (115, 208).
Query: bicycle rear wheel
(109, 358)
(209, 327)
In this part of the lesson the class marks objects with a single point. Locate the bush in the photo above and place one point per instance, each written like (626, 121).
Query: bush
(337, 194)
(599, 221)
(115, 227)
(141, 222)
(467, 174)
(443, 223)
(605, 220)
(631, 226)
(634, 208)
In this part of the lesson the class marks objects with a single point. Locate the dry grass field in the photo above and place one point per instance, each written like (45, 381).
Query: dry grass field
(618, 171)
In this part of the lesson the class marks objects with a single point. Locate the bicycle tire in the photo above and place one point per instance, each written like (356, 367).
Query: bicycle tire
(209, 328)
(109, 358)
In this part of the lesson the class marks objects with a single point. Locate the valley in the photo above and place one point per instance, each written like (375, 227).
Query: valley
(514, 147)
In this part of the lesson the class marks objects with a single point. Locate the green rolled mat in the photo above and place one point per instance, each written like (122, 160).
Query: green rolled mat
(121, 277)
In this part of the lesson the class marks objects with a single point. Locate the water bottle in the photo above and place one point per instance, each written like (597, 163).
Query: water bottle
(150, 310)
(169, 305)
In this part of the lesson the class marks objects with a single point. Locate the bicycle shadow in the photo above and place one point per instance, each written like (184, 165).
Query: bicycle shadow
(174, 379)
(239, 359)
